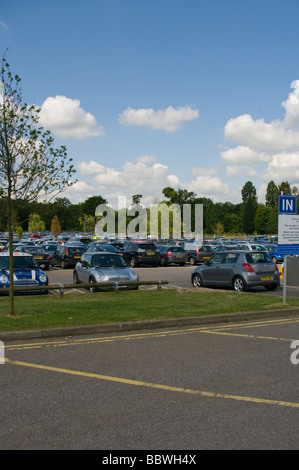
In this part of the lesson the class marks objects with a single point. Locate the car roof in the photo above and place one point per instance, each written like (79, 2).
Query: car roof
(6, 253)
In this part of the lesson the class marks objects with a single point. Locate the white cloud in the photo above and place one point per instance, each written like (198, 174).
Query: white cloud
(291, 106)
(241, 170)
(65, 118)
(141, 176)
(244, 155)
(207, 184)
(4, 25)
(169, 119)
(283, 167)
(261, 136)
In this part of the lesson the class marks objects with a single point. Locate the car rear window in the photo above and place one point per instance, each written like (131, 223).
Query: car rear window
(146, 246)
(75, 250)
(258, 257)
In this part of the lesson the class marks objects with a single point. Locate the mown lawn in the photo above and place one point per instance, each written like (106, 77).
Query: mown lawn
(50, 311)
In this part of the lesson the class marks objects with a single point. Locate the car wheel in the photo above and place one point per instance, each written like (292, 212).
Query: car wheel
(92, 288)
(239, 284)
(75, 278)
(196, 280)
(192, 261)
(63, 264)
(271, 286)
(133, 262)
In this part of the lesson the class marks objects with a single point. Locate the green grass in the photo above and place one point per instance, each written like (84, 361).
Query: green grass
(52, 311)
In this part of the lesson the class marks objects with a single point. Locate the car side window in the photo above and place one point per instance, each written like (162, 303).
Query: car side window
(217, 259)
(231, 258)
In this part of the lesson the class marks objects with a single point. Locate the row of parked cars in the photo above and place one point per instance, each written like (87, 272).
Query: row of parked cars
(239, 266)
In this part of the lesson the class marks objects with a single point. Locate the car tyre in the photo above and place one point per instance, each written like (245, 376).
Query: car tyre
(197, 281)
(192, 261)
(239, 284)
(63, 264)
(133, 262)
(75, 278)
(92, 289)
(271, 287)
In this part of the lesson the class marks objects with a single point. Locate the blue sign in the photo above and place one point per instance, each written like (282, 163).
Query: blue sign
(287, 204)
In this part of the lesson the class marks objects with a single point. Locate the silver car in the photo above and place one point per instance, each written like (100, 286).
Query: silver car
(238, 270)
(95, 267)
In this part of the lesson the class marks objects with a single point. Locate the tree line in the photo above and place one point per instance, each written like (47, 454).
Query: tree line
(219, 218)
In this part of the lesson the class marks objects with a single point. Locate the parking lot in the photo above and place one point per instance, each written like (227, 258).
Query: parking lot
(225, 386)
(177, 277)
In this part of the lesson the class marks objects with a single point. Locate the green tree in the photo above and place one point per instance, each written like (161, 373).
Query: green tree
(261, 219)
(36, 224)
(249, 207)
(272, 194)
(30, 166)
(285, 188)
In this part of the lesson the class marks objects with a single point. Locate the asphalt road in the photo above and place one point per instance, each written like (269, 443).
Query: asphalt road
(225, 386)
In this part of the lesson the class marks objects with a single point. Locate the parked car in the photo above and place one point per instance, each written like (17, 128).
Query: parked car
(197, 254)
(239, 270)
(273, 252)
(26, 272)
(95, 267)
(252, 246)
(172, 254)
(50, 247)
(136, 253)
(67, 255)
(102, 247)
(38, 252)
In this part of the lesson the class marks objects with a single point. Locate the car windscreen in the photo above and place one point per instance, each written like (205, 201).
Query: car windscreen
(18, 262)
(104, 248)
(76, 250)
(33, 249)
(107, 260)
(258, 257)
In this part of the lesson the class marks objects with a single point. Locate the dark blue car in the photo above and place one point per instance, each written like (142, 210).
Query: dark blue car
(26, 272)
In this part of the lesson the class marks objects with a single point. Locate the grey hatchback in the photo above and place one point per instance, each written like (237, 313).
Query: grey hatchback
(238, 270)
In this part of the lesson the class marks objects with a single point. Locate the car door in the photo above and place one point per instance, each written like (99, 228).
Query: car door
(212, 270)
(82, 268)
(227, 269)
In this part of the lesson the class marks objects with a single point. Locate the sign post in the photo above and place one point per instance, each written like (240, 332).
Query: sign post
(288, 232)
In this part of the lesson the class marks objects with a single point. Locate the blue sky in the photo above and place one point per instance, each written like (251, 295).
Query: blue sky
(197, 94)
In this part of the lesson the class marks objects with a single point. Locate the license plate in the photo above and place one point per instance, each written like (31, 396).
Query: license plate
(266, 278)
(206, 257)
(150, 253)
(179, 256)
(77, 256)
(38, 257)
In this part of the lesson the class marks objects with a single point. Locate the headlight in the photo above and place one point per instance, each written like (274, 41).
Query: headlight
(99, 277)
(3, 279)
(133, 275)
(42, 277)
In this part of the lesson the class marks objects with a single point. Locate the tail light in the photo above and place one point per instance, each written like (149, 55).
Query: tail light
(48, 257)
(248, 268)
(168, 254)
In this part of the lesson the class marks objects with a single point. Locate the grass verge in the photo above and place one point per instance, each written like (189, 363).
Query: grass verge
(51, 311)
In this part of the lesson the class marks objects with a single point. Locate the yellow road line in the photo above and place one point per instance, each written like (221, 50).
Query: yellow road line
(261, 401)
(201, 329)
